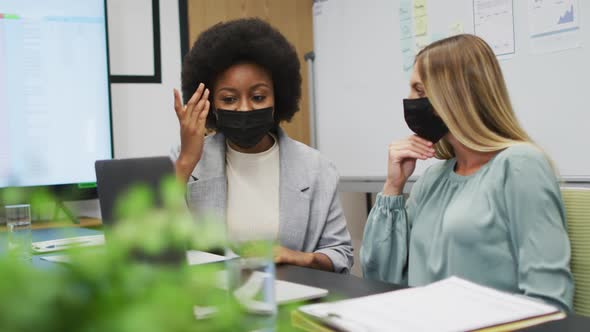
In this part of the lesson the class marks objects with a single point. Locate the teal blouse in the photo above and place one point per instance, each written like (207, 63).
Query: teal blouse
(503, 226)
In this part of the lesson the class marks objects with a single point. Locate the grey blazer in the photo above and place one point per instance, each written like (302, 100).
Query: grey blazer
(310, 214)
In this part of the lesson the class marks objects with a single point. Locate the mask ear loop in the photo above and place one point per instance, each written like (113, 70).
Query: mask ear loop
(212, 108)
(210, 131)
(275, 126)
(215, 114)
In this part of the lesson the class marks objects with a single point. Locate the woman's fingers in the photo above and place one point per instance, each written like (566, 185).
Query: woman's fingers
(418, 144)
(190, 114)
(400, 155)
(411, 149)
(418, 139)
(429, 151)
(194, 100)
(178, 109)
(200, 107)
(202, 120)
(421, 143)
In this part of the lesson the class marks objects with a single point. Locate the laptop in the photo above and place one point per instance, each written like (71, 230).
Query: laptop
(114, 177)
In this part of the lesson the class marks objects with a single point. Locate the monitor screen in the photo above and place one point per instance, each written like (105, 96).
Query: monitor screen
(54, 91)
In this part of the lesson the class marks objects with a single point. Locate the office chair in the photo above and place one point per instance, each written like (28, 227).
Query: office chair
(577, 208)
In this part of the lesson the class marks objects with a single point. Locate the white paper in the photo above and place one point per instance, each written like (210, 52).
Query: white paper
(554, 25)
(450, 305)
(494, 22)
(195, 257)
(285, 291)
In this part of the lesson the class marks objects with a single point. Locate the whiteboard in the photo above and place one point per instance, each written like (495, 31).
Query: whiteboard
(360, 84)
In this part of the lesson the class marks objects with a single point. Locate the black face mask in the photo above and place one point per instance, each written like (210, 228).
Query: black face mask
(245, 129)
(421, 119)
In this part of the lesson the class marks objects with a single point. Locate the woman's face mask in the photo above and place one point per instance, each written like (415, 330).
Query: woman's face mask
(245, 128)
(422, 120)
(243, 104)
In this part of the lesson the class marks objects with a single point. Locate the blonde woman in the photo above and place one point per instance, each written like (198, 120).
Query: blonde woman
(492, 212)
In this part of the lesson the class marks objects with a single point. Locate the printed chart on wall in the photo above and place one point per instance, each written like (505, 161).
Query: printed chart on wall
(494, 22)
(420, 25)
(554, 25)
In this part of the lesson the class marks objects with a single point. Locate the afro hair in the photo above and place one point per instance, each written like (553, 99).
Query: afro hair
(244, 40)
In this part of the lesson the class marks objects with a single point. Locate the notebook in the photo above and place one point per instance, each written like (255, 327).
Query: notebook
(452, 304)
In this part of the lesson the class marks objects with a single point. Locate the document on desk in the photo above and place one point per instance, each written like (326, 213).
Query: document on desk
(68, 243)
(452, 304)
(195, 257)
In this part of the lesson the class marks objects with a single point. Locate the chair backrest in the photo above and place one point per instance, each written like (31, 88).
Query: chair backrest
(577, 208)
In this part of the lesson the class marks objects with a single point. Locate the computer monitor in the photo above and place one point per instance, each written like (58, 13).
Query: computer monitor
(55, 105)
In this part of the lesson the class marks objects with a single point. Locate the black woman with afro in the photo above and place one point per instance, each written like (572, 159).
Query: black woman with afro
(241, 80)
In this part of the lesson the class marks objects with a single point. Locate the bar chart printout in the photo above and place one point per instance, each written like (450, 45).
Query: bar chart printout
(554, 25)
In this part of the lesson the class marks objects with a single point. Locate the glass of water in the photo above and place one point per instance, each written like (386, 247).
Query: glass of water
(251, 281)
(18, 224)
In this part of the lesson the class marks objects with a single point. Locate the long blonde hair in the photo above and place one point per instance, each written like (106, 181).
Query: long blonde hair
(465, 85)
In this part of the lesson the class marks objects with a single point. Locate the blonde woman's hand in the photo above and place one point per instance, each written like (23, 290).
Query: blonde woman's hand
(192, 118)
(401, 162)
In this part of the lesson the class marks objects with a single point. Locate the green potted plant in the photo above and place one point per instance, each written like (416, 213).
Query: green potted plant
(109, 289)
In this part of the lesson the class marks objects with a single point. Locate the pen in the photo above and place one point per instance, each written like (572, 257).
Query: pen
(64, 245)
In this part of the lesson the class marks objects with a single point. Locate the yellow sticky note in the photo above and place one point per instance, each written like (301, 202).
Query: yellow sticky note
(420, 25)
(419, 8)
(456, 28)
